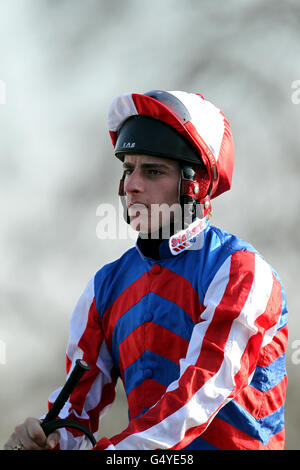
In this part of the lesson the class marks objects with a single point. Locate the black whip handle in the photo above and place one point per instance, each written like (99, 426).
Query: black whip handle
(79, 369)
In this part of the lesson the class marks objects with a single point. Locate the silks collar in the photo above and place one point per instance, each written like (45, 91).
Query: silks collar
(180, 241)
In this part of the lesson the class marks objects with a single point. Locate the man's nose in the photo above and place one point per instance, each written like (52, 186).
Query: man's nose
(134, 183)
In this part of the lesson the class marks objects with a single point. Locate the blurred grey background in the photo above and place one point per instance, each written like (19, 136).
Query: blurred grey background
(61, 64)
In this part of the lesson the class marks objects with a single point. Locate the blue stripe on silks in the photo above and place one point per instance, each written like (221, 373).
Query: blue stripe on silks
(199, 444)
(261, 429)
(170, 316)
(265, 378)
(126, 324)
(141, 413)
(164, 370)
(165, 314)
(284, 316)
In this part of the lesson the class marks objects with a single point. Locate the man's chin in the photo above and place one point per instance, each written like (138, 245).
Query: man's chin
(145, 233)
(143, 229)
(156, 231)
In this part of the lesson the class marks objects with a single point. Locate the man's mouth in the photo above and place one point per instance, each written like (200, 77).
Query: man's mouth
(137, 208)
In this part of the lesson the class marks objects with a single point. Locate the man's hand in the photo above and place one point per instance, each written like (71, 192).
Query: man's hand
(30, 436)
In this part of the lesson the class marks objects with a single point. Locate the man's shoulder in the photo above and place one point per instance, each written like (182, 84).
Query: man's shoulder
(111, 279)
(229, 242)
(223, 244)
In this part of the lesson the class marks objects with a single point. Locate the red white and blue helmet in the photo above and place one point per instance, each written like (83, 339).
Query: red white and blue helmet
(197, 121)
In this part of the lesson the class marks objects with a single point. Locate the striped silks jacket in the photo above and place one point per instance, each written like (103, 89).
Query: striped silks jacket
(198, 339)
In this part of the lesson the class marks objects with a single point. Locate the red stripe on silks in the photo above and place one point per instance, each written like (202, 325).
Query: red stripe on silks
(159, 338)
(68, 364)
(230, 307)
(144, 396)
(264, 322)
(129, 297)
(153, 338)
(212, 352)
(262, 404)
(277, 441)
(107, 397)
(224, 436)
(130, 348)
(92, 423)
(92, 336)
(275, 349)
(220, 436)
(177, 289)
(248, 361)
(166, 284)
(273, 309)
(90, 343)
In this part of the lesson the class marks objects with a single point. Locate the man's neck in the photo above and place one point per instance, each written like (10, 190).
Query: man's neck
(149, 244)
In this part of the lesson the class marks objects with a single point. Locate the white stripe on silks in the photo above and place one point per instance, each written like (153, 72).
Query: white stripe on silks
(212, 299)
(105, 361)
(105, 364)
(120, 109)
(64, 412)
(79, 321)
(243, 327)
(269, 335)
(93, 397)
(69, 442)
(214, 394)
(171, 430)
(206, 117)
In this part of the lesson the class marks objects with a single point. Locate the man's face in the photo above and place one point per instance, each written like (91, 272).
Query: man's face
(152, 188)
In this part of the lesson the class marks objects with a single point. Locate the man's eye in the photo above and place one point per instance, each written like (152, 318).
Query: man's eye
(127, 172)
(154, 172)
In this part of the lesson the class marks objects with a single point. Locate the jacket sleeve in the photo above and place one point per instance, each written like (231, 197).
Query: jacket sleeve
(95, 393)
(242, 307)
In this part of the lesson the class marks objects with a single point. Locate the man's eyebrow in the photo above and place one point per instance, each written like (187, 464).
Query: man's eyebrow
(127, 165)
(148, 165)
(155, 165)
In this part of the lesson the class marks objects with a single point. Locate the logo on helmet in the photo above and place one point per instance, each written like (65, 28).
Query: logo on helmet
(128, 145)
